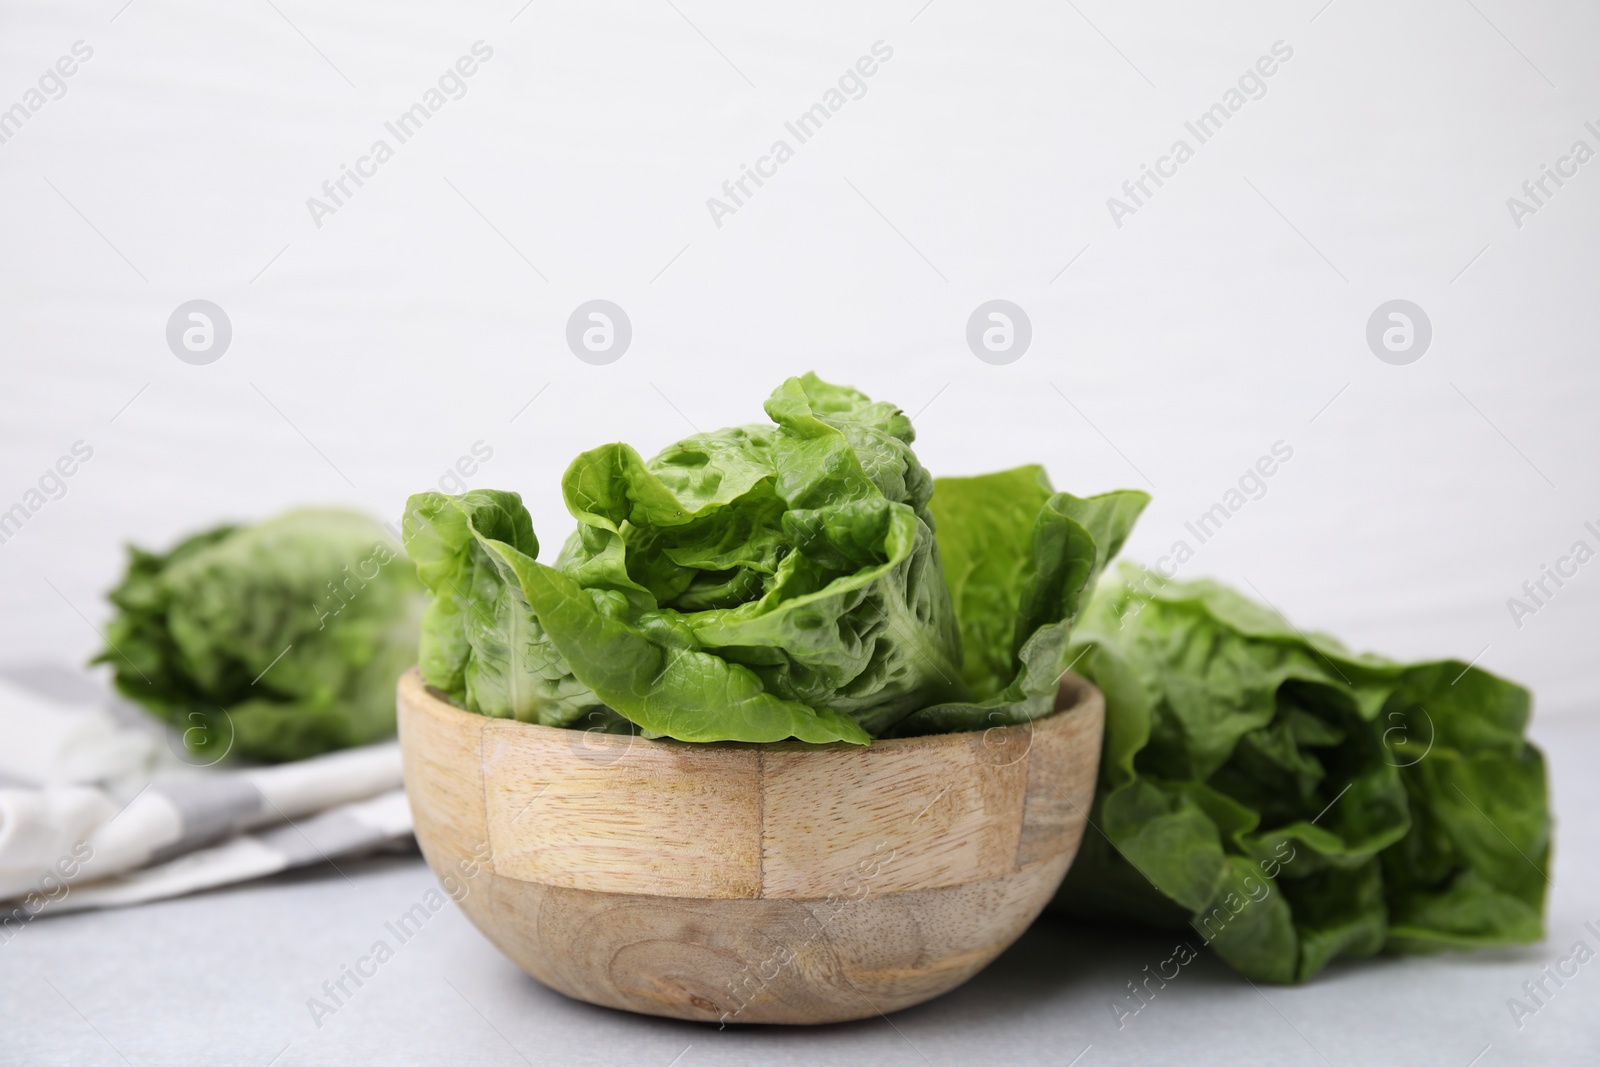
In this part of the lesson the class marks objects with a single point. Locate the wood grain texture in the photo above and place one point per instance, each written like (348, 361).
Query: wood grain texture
(443, 771)
(760, 961)
(573, 811)
(1056, 806)
(945, 818)
(760, 883)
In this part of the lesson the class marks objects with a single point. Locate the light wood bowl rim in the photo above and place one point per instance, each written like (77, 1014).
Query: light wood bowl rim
(1073, 693)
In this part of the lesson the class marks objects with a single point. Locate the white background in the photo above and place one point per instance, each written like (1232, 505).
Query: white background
(1189, 340)
(1227, 314)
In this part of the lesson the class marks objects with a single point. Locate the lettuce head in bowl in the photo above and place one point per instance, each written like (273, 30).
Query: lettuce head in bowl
(804, 578)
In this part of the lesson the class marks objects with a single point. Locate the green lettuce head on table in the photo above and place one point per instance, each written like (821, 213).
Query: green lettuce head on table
(1295, 802)
(801, 579)
(274, 641)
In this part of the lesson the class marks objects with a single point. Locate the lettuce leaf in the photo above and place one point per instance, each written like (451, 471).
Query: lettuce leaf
(1295, 802)
(275, 641)
(480, 637)
(1020, 560)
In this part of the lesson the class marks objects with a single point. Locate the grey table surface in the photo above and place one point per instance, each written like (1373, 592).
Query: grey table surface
(225, 978)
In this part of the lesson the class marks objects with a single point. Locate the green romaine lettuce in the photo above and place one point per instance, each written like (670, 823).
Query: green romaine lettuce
(1295, 802)
(274, 641)
(761, 583)
(1020, 559)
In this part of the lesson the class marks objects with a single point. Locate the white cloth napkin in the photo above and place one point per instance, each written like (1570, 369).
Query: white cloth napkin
(95, 813)
(344, 830)
(66, 739)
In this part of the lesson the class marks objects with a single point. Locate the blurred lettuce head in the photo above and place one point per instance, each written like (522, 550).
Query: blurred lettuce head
(274, 641)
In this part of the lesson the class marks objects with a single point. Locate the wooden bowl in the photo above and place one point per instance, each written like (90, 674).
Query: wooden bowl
(781, 883)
